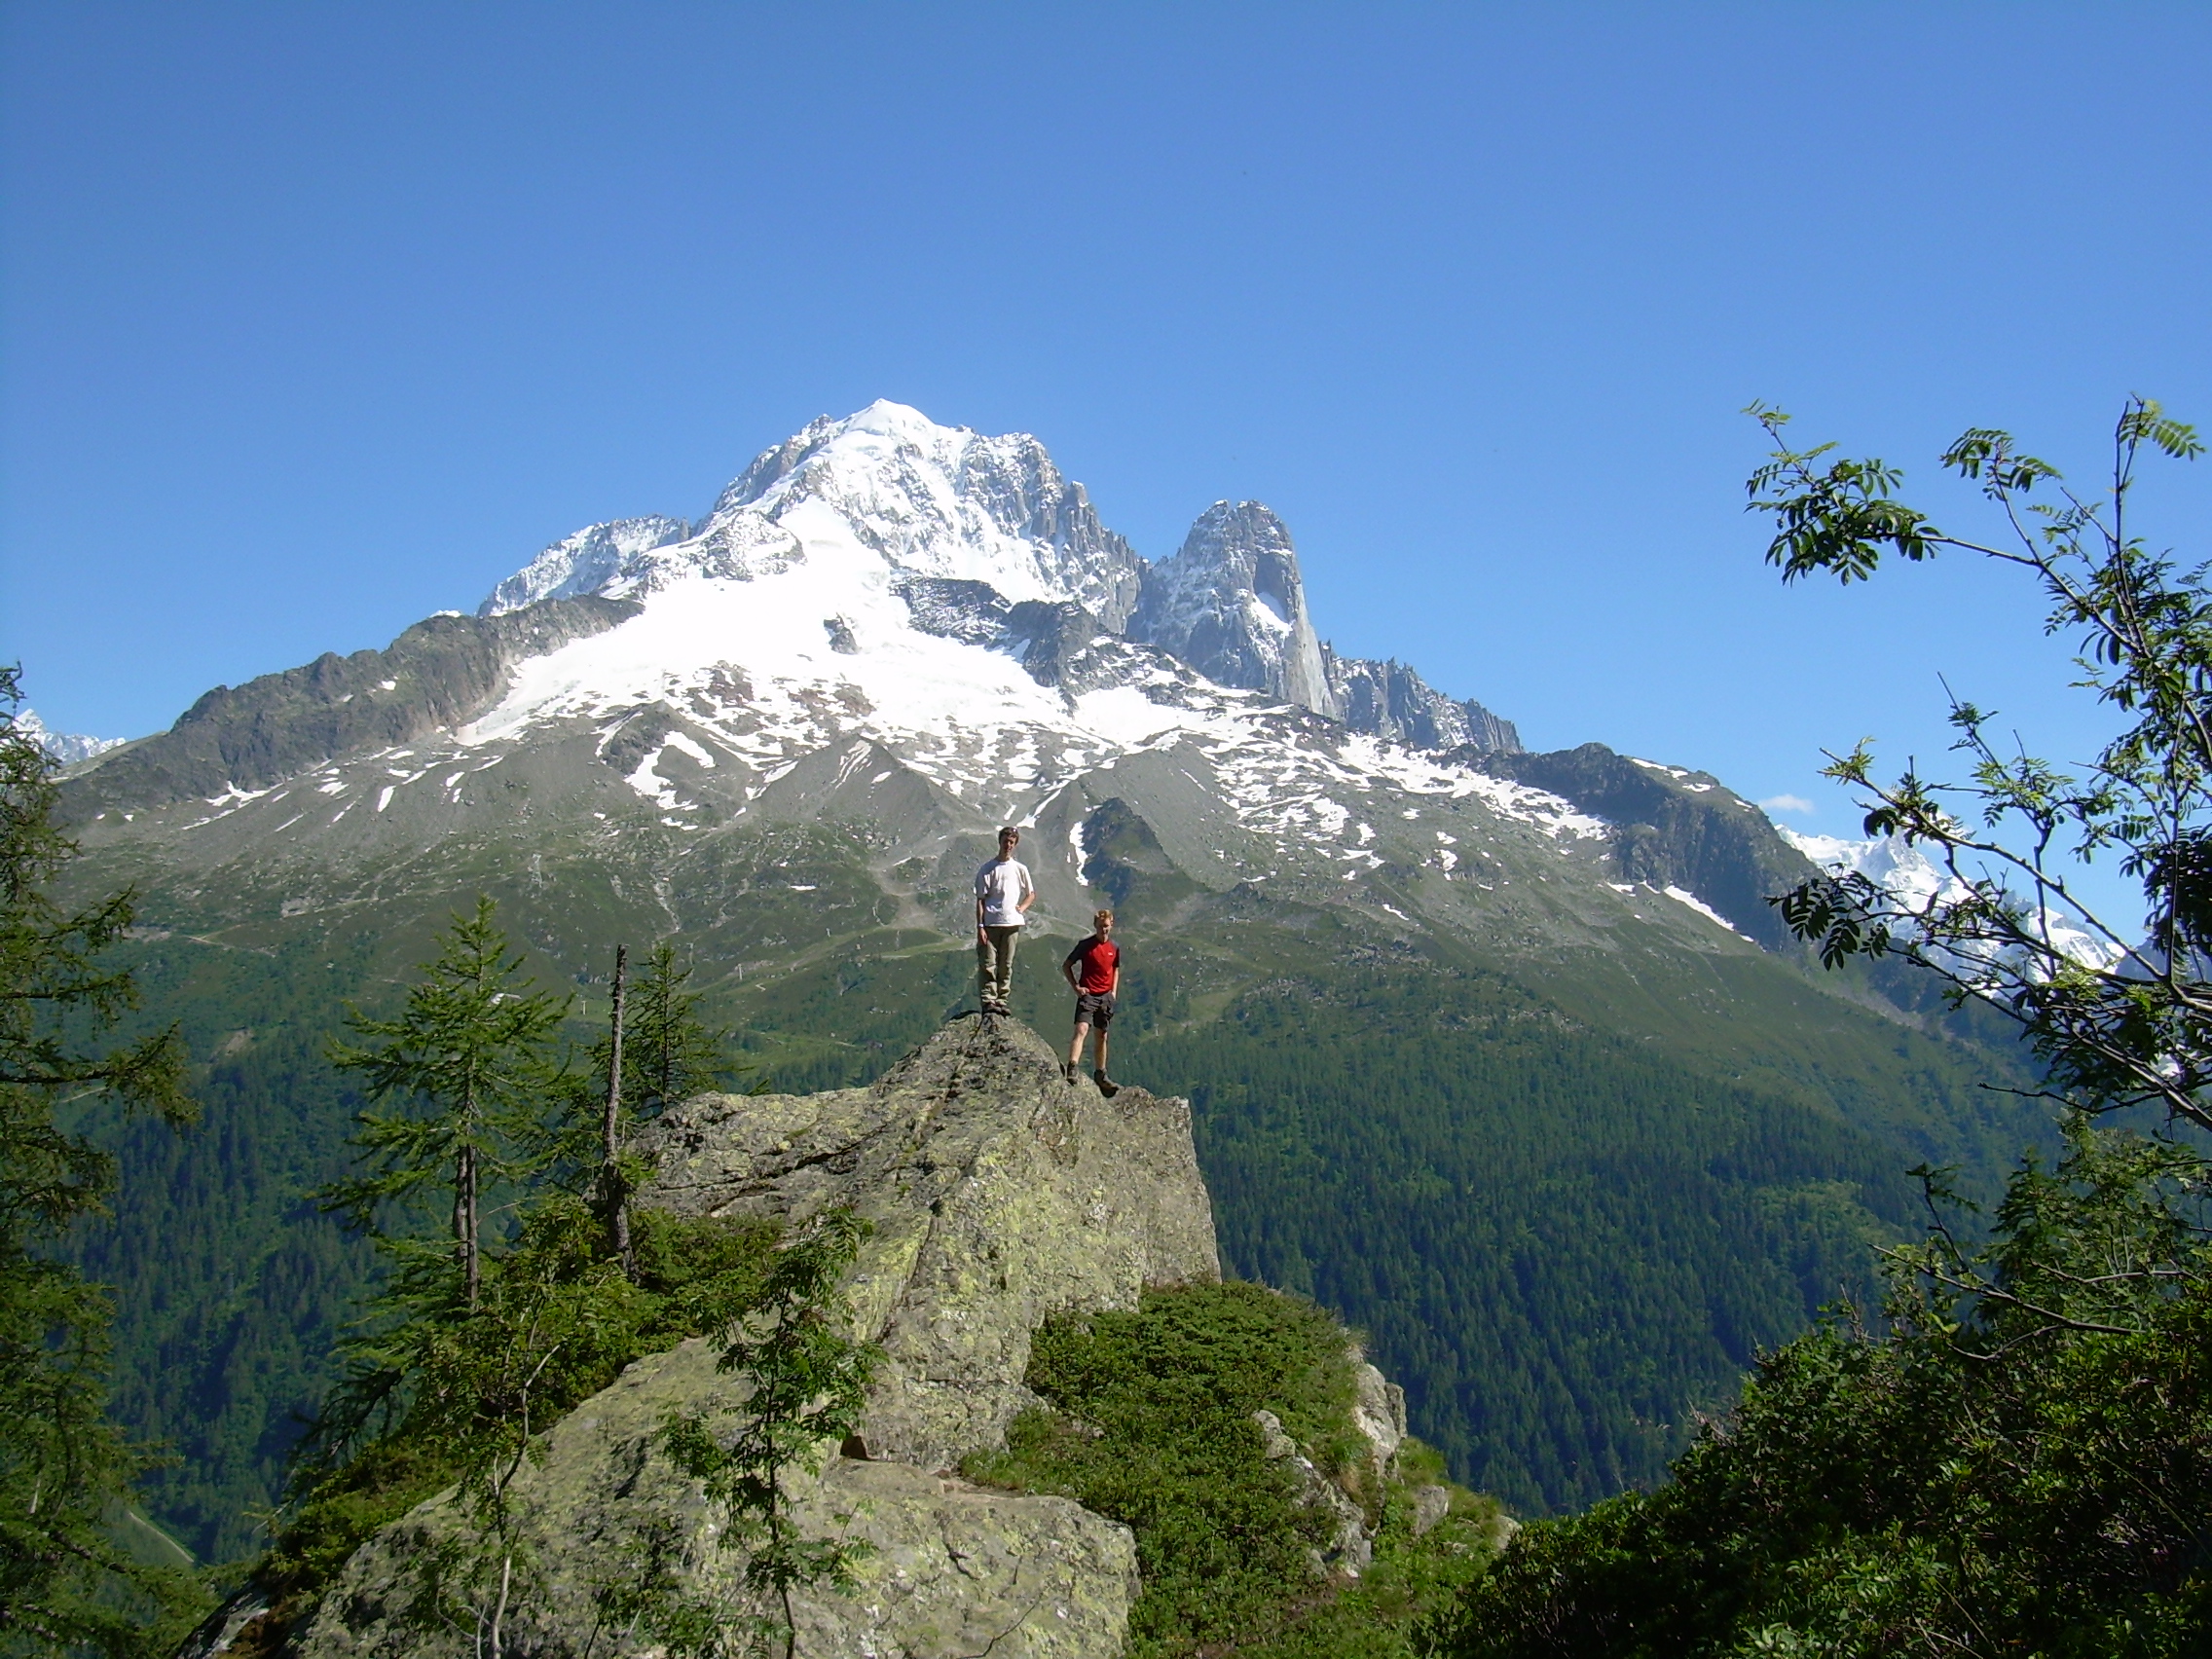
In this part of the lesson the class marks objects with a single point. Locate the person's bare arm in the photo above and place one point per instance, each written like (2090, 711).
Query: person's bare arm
(1029, 898)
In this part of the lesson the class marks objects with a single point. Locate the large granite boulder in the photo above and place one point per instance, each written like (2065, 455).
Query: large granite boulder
(999, 1194)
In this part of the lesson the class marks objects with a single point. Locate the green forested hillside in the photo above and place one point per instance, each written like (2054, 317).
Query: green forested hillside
(1564, 1244)
(224, 1379)
(1562, 1239)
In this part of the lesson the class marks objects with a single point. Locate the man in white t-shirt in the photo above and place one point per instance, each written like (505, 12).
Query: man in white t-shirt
(1004, 893)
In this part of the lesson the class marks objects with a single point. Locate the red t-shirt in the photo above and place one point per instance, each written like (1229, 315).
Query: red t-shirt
(1099, 958)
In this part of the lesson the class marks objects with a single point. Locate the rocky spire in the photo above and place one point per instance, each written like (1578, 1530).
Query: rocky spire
(1231, 604)
(1393, 702)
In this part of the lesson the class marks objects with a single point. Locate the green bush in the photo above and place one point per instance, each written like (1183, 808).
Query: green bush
(1151, 1424)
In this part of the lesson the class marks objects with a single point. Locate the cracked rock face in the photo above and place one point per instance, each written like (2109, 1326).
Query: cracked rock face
(1000, 1194)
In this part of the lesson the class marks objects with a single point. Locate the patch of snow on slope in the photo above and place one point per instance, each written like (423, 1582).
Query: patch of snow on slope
(678, 741)
(1125, 715)
(1684, 895)
(647, 781)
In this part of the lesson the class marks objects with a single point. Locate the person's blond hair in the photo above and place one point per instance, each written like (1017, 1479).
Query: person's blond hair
(1097, 916)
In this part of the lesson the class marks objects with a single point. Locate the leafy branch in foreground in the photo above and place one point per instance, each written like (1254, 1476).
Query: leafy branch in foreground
(65, 1585)
(808, 1385)
(2120, 1014)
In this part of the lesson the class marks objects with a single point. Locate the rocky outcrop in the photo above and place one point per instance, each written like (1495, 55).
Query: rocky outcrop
(999, 1194)
(1673, 828)
(1057, 641)
(1391, 701)
(951, 1567)
(1378, 1413)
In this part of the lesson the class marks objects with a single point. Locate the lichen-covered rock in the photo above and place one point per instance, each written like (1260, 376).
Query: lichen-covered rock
(1431, 1504)
(1351, 1547)
(1000, 1194)
(951, 1568)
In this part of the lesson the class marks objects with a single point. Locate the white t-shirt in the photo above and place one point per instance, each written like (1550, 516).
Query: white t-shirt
(1002, 886)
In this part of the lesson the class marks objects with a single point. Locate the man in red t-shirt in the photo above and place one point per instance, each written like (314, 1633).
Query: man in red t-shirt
(1093, 971)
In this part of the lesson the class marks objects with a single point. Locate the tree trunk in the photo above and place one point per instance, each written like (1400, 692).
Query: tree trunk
(464, 1218)
(614, 1200)
(464, 1192)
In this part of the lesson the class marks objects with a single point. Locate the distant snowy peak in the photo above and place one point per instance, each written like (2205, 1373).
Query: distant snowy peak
(1892, 862)
(933, 502)
(1914, 878)
(1232, 604)
(68, 748)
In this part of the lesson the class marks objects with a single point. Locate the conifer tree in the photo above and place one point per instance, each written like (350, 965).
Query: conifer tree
(656, 1052)
(673, 1054)
(465, 1061)
(63, 1470)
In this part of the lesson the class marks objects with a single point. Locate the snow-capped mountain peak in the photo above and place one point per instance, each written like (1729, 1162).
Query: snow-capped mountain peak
(609, 559)
(930, 501)
(883, 576)
(1919, 884)
(1891, 863)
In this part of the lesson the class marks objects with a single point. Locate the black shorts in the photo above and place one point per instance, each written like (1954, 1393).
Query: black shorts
(1094, 1007)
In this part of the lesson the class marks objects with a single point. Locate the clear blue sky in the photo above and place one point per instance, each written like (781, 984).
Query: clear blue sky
(317, 318)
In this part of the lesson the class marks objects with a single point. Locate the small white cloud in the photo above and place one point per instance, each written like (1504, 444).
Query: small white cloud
(1787, 803)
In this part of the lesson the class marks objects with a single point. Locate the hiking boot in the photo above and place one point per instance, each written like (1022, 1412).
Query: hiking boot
(1068, 1071)
(1106, 1085)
